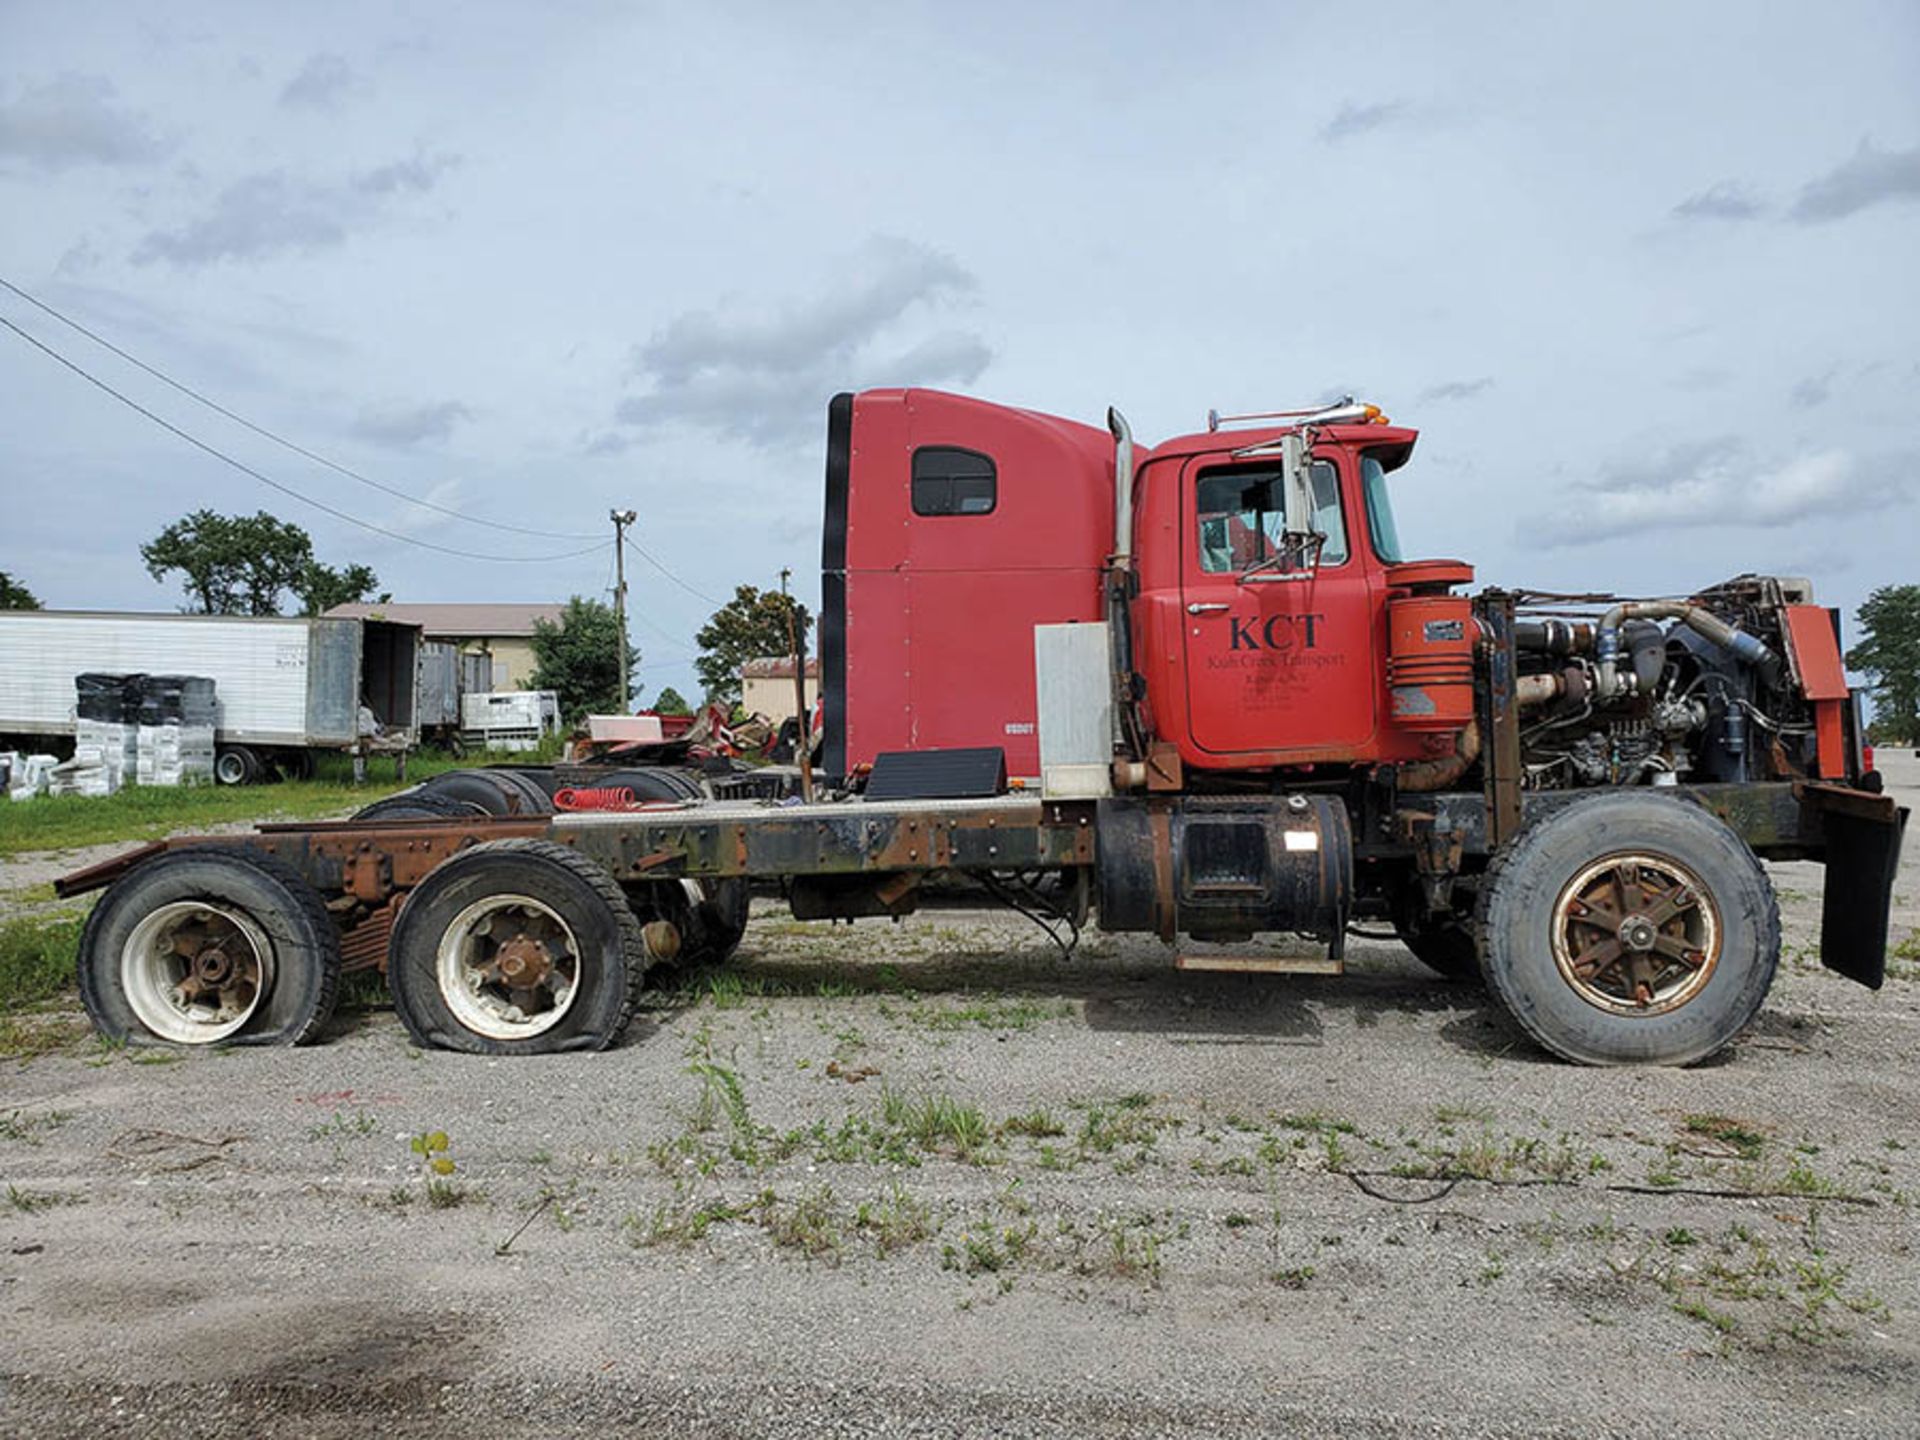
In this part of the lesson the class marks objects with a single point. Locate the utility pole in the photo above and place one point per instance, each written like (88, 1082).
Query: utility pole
(803, 717)
(622, 519)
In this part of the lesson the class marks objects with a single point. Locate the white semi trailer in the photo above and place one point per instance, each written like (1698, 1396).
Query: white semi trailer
(285, 687)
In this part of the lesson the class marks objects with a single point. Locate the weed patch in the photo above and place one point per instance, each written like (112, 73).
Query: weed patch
(1744, 1140)
(37, 955)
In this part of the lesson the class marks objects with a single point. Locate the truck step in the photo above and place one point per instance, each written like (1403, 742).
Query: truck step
(1264, 964)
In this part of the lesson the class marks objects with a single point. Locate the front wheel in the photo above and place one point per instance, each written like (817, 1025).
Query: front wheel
(1630, 929)
(517, 947)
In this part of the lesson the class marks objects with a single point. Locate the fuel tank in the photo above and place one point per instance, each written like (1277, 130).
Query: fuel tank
(1224, 868)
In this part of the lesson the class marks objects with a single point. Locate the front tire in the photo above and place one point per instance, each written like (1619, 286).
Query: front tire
(1630, 929)
(517, 947)
(209, 947)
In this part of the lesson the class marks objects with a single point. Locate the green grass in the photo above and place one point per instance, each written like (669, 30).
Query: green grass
(1903, 960)
(36, 958)
(149, 812)
(1746, 1141)
(937, 1122)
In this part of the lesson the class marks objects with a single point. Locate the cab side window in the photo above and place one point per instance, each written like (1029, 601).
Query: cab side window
(1242, 516)
(951, 481)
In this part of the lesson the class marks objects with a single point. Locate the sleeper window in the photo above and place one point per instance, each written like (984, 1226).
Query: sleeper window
(947, 481)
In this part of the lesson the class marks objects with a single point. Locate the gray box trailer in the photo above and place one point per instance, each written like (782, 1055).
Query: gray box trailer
(437, 697)
(285, 687)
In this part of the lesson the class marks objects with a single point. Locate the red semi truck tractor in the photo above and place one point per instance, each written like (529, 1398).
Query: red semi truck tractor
(1199, 689)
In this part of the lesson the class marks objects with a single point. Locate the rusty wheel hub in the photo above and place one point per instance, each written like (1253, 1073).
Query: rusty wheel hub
(508, 967)
(1636, 934)
(213, 967)
(523, 962)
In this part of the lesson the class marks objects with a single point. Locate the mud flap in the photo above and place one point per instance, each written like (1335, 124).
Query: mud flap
(1863, 855)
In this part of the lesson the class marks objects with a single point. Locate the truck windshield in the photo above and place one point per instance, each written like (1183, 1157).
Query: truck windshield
(1386, 539)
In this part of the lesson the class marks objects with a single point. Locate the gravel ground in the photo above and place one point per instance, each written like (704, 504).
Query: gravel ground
(931, 1179)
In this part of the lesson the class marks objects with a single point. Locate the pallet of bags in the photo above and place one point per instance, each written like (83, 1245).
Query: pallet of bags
(105, 711)
(187, 700)
(173, 754)
(85, 774)
(174, 736)
(116, 743)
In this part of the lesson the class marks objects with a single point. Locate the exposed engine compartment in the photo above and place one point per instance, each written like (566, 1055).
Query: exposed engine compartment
(1661, 692)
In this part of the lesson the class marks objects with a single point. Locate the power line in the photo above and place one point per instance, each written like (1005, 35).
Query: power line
(269, 481)
(674, 640)
(697, 594)
(277, 439)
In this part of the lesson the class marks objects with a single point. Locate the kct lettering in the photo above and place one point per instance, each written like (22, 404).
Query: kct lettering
(1277, 632)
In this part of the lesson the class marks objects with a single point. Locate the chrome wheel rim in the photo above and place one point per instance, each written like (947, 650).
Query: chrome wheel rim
(1636, 934)
(194, 972)
(508, 967)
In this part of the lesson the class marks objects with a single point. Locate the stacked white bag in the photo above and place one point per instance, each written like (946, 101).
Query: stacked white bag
(174, 745)
(174, 754)
(145, 729)
(27, 775)
(85, 774)
(116, 744)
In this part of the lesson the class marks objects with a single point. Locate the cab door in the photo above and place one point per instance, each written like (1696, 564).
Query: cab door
(1279, 657)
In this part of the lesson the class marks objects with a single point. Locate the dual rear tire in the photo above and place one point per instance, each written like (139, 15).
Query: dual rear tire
(203, 947)
(513, 947)
(518, 947)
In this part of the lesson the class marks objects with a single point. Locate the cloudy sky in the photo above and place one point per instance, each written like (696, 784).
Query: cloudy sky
(1644, 275)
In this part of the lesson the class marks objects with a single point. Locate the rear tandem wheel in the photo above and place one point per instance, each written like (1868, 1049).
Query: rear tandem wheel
(518, 947)
(205, 946)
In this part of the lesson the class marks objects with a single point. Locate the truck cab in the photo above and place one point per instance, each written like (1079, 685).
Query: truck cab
(954, 526)
(1254, 658)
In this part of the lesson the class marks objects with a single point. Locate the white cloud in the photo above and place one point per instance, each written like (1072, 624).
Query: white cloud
(1457, 389)
(74, 120)
(1729, 200)
(764, 378)
(1717, 483)
(403, 425)
(323, 82)
(253, 218)
(273, 213)
(1356, 119)
(1868, 177)
(415, 519)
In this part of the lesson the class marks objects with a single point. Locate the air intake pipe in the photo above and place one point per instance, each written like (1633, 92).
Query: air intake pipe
(1127, 737)
(1703, 622)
